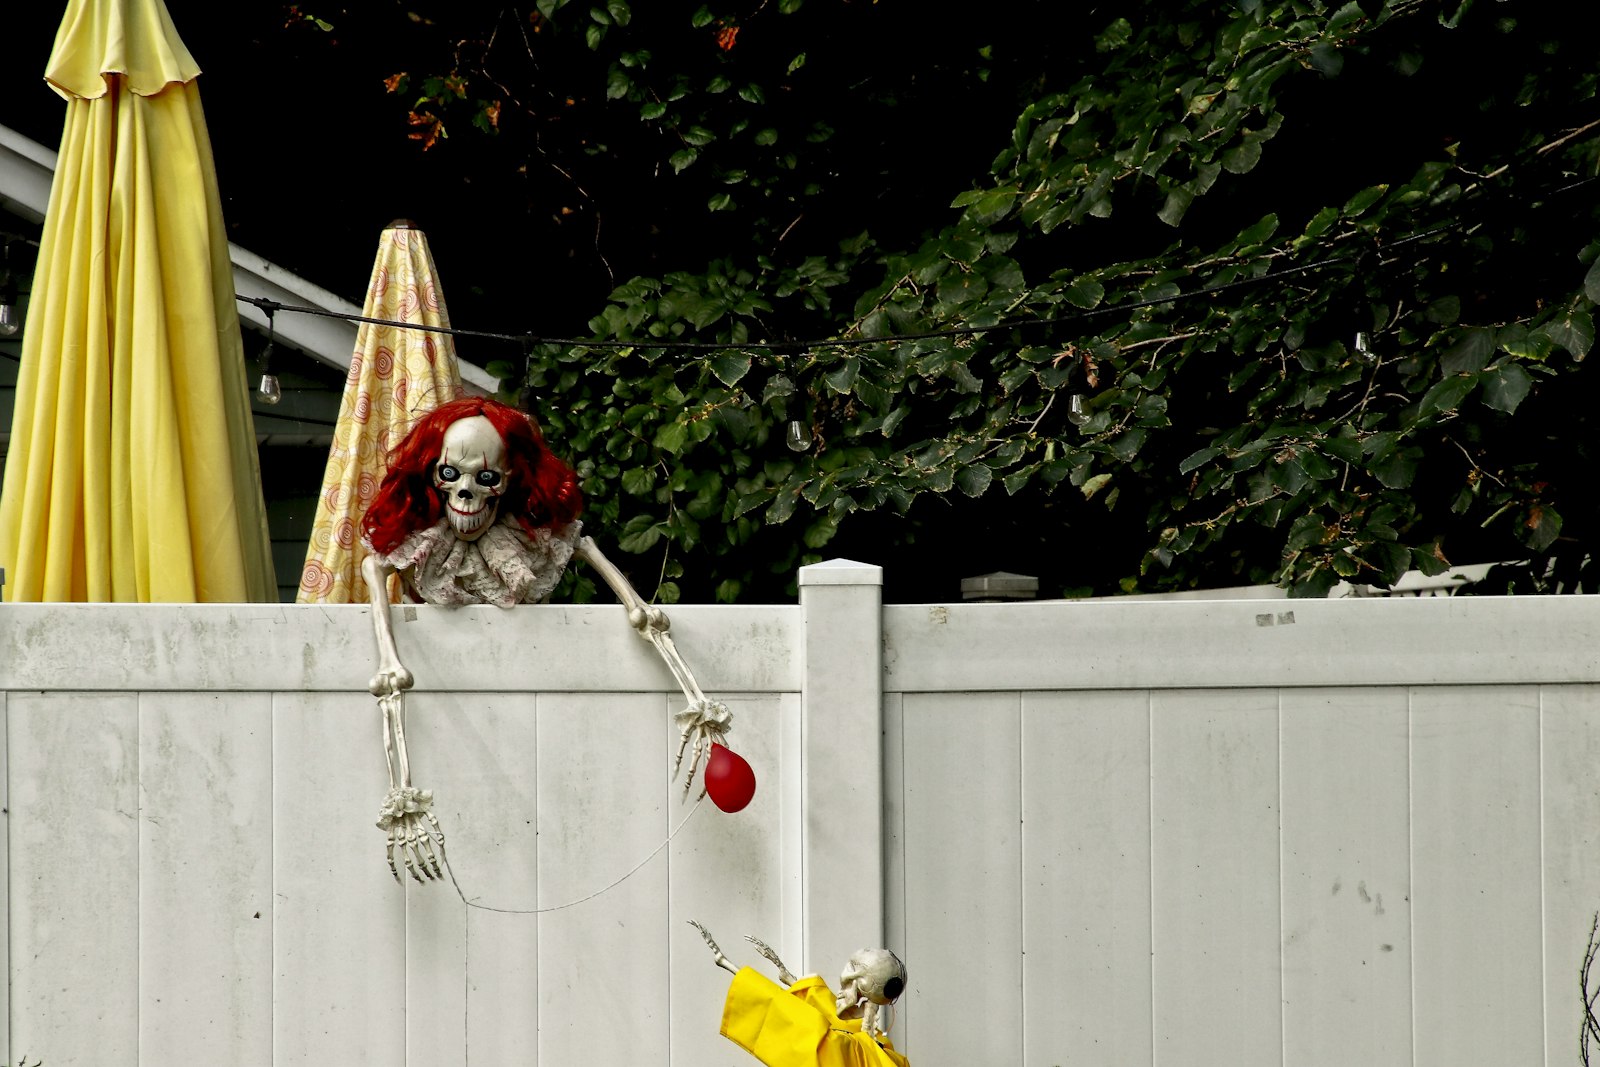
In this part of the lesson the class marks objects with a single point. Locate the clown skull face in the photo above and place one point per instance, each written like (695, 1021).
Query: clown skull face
(471, 475)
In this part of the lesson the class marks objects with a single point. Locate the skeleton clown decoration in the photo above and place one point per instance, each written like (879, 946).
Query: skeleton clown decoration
(802, 1023)
(475, 509)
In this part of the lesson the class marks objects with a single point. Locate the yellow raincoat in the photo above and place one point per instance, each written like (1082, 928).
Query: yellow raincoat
(798, 1026)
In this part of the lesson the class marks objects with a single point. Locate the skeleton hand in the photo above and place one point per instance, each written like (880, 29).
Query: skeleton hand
(784, 974)
(703, 722)
(716, 953)
(414, 830)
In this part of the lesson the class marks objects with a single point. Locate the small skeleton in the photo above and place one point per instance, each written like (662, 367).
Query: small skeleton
(873, 979)
(475, 509)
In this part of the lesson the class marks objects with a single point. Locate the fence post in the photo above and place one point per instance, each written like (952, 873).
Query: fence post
(841, 711)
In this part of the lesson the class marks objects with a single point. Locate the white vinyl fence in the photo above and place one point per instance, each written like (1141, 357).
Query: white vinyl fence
(1237, 833)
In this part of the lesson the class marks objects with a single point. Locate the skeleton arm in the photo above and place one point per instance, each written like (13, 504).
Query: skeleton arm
(392, 676)
(785, 975)
(404, 817)
(651, 622)
(704, 721)
(716, 952)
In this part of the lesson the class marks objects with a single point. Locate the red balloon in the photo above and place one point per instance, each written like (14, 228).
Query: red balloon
(729, 780)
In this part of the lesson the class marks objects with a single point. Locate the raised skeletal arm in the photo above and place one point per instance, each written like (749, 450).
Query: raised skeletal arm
(716, 952)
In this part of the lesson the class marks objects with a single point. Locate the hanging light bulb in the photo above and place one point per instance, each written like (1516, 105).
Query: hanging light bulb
(1077, 410)
(269, 391)
(1364, 346)
(798, 437)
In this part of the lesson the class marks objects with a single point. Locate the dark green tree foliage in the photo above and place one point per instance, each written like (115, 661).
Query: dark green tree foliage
(1258, 292)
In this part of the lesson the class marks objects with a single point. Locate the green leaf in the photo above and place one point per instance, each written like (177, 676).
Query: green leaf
(1128, 444)
(1345, 16)
(798, 61)
(779, 385)
(1591, 282)
(1259, 231)
(638, 481)
(1398, 469)
(1444, 311)
(844, 377)
(1178, 200)
(1195, 460)
(671, 436)
(1243, 159)
(1084, 293)
(730, 367)
(974, 479)
(1448, 394)
(639, 535)
(1506, 386)
(1471, 353)
(1541, 528)
(783, 505)
(1093, 485)
(682, 159)
(1359, 203)
(1573, 331)
(1325, 59)
(821, 532)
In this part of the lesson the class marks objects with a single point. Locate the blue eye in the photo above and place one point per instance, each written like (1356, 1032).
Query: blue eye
(448, 473)
(489, 479)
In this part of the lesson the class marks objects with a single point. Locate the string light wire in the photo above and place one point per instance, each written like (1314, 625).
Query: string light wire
(790, 349)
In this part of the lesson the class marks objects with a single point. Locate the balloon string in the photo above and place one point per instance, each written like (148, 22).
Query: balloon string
(445, 855)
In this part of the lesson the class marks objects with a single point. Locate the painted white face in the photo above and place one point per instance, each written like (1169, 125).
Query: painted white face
(471, 475)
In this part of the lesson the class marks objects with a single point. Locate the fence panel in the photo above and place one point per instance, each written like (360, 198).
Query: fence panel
(963, 826)
(205, 878)
(1569, 748)
(726, 872)
(1086, 877)
(1214, 876)
(339, 926)
(1346, 876)
(74, 834)
(1477, 928)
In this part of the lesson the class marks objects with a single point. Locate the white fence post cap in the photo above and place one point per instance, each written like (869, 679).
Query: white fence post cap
(841, 572)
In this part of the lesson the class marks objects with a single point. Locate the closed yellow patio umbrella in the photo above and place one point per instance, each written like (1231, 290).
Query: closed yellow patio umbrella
(396, 377)
(132, 474)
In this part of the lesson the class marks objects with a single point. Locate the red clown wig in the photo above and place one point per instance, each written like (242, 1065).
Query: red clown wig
(541, 490)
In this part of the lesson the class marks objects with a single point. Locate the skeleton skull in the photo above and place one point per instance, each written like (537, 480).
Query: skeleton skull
(874, 976)
(471, 475)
